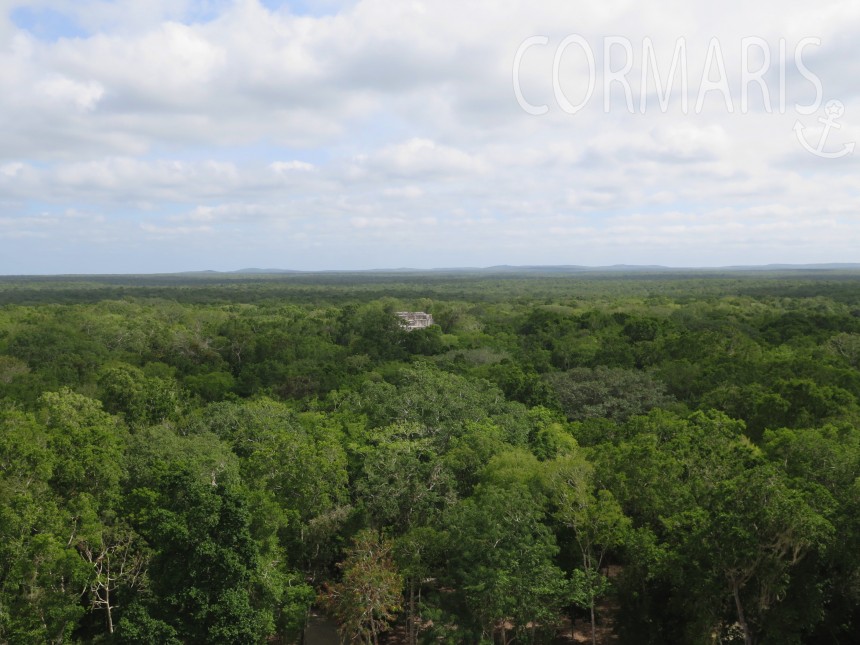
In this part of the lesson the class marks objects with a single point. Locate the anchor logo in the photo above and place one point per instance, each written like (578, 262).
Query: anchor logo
(833, 111)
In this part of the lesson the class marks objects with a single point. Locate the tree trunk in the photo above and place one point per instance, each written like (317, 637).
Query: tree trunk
(107, 596)
(413, 630)
(108, 607)
(742, 621)
(593, 625)
(586, 566)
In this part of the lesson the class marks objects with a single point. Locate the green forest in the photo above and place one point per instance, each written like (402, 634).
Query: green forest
(645, 458)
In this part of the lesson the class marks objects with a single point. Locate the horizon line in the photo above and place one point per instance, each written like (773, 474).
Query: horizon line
(250, 271)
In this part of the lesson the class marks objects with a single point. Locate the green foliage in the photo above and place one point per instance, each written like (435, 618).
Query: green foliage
(596, 521)
(44, 513)
(213, 386)
(142, 400)
(196, 459)
(404, 483)
(206, 527)
(612, 393)
(88, 444)
(501, 561)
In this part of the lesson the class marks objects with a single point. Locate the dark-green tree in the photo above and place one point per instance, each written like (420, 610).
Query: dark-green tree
(216, 594)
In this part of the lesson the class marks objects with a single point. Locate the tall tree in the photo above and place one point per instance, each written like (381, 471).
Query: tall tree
(596, 521)
(368, 597)
(501, 562)
(204, 573)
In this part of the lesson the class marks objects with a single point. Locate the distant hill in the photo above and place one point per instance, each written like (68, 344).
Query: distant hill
(834, 266)
(569, 268)
(264, 271)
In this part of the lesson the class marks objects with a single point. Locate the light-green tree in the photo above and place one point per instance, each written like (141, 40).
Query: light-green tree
(596, 521)
(501, 559)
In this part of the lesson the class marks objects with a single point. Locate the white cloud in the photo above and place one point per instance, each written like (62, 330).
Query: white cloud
(291, 166)
(404, 192)
(423, 158)
(11, 169)
(69, 93)
(226, 121)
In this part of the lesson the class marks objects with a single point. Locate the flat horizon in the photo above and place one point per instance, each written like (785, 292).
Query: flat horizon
(570, 268)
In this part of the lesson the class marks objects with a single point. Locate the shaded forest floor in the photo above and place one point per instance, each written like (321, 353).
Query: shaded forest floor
(581, 631)
(321, 631)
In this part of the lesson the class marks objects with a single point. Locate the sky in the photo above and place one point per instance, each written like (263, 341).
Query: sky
(148, 136)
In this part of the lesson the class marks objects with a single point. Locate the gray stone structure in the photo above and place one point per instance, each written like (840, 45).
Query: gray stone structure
(415, 319)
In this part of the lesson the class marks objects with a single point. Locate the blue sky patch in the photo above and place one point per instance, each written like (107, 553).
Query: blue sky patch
(46, 23)
(315, 8)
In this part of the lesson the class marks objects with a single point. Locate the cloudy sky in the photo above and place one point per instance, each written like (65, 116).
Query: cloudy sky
(173, 135)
